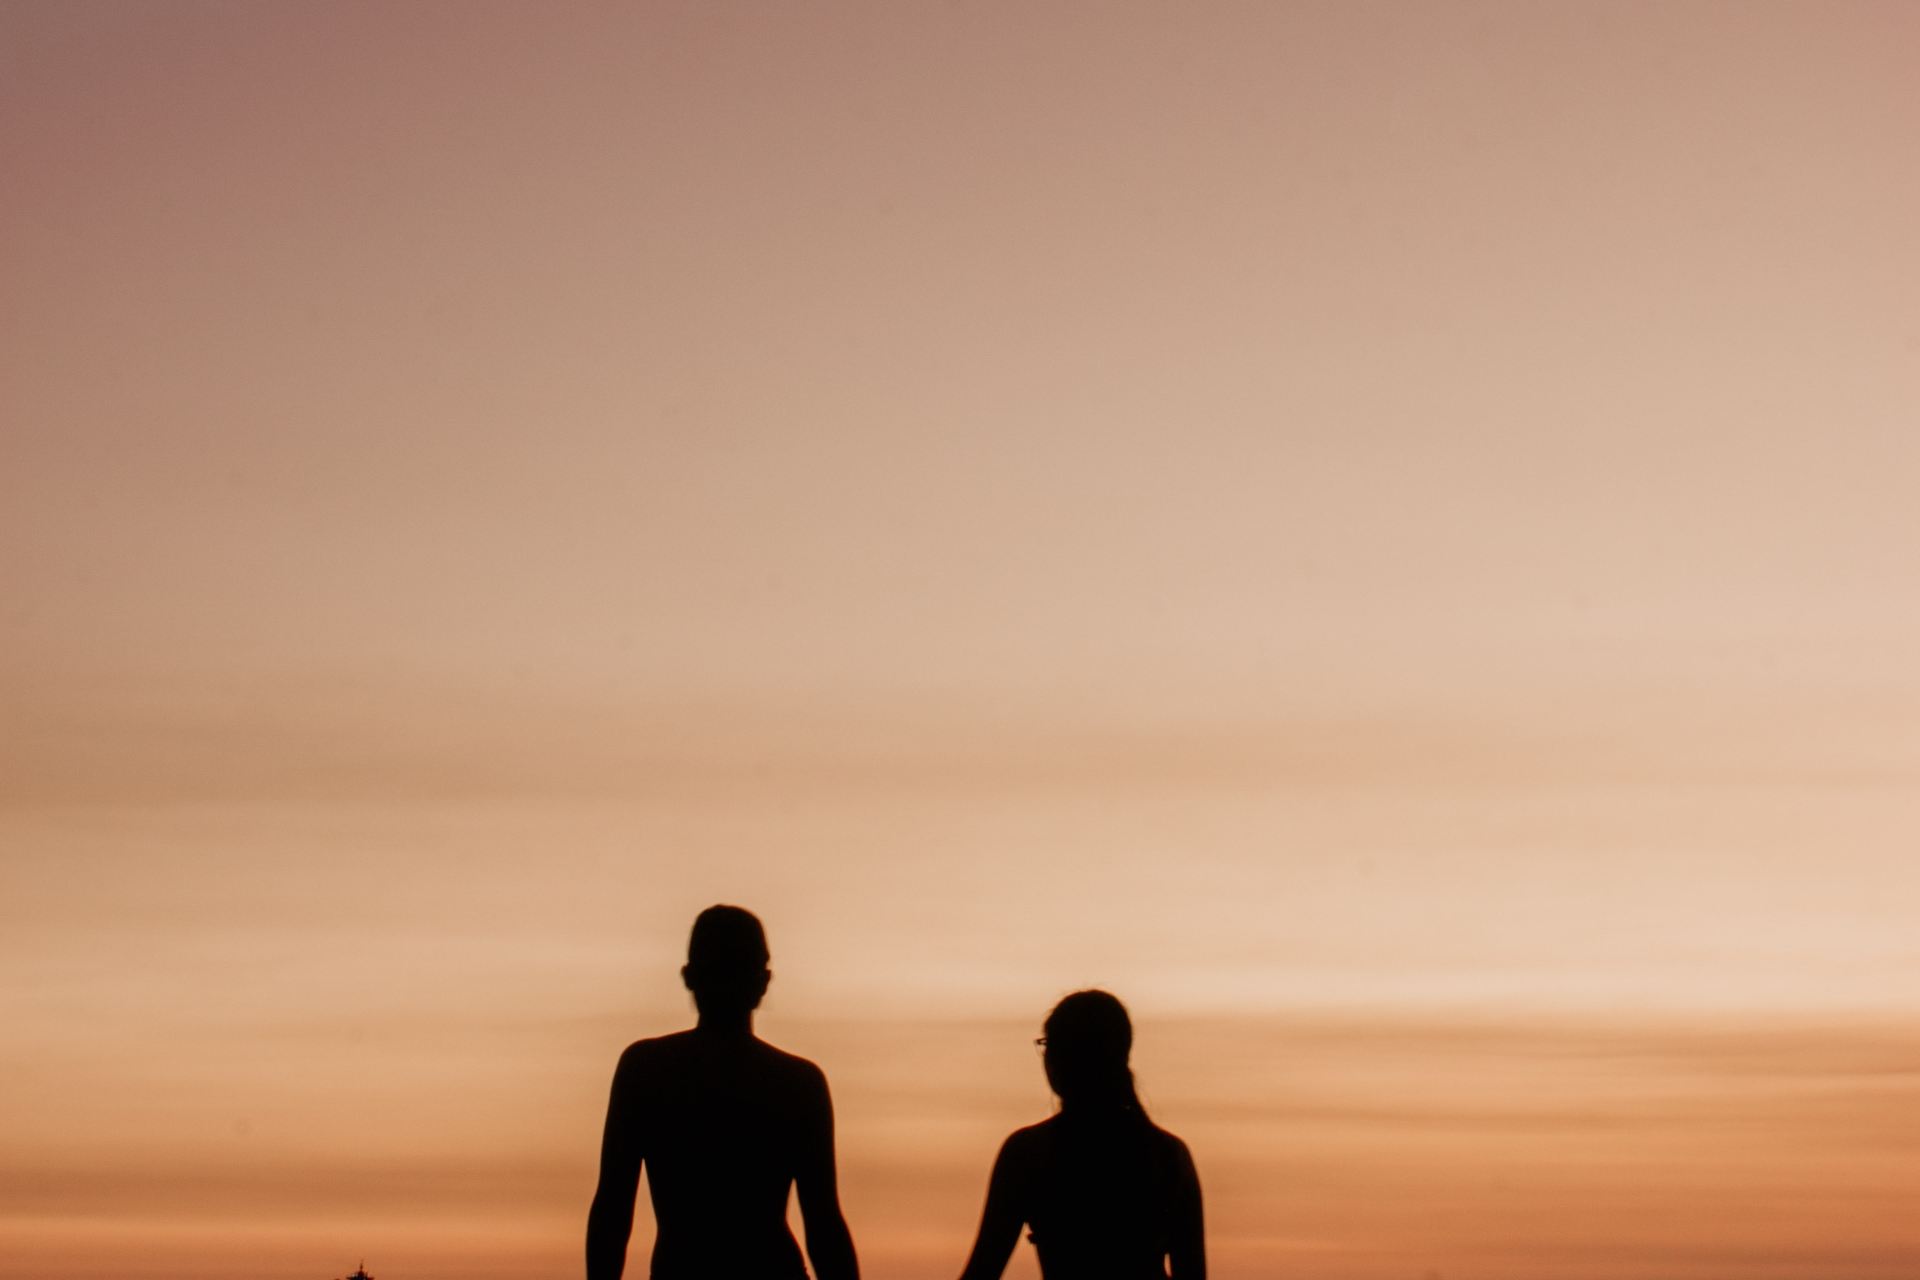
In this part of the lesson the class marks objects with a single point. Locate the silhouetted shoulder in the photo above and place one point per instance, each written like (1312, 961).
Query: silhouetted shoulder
(1030, 1139)
(1174, 1145)
(641, 1054)
(1041, 1136)
(1177, 1153)
(653, 1045)
(789, 1070)
(693, 1056)
(633, 1059)
(802, 1079)
(802, 1068)
(1024, 1152)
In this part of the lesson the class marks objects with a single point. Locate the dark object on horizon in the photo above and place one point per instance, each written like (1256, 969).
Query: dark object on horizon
(725, 1125)
(361, 1274)
(1105, 1193)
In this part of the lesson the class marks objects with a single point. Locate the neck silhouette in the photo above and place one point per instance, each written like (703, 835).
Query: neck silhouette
(733, 1024)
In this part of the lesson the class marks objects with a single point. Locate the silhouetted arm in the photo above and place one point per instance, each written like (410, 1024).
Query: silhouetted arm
(817, 1183)
(1188, 1252)
(610, 1220)
(1001, 1220)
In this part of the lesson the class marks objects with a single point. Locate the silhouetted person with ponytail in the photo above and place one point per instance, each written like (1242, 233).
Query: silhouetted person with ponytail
(725, 1125)
(1106, 1193)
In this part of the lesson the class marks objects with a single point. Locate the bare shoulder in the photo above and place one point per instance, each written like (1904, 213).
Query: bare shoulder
(1023, 1146)
(643, 1056)
(1034, 1135)
(1175, 1149)
(790, 1068)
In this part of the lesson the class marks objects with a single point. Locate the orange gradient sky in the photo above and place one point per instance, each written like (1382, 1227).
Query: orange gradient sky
(1383, 533)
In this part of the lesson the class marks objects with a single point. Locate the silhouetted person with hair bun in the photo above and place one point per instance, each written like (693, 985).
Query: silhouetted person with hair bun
(1106, 1193)
(725, 1125)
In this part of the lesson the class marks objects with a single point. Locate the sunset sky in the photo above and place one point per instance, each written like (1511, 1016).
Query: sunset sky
(1386, 534)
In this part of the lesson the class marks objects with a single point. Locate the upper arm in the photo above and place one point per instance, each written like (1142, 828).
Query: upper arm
(1189, 1246)
(1003, 1215)
(829, 1244)
(621, 1146)
(813, 1175)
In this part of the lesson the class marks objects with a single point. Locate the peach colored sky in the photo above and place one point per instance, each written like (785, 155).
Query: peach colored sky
(1385, 533)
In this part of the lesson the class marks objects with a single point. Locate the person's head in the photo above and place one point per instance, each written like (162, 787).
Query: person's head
(1088, 1038)
(726, 965)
